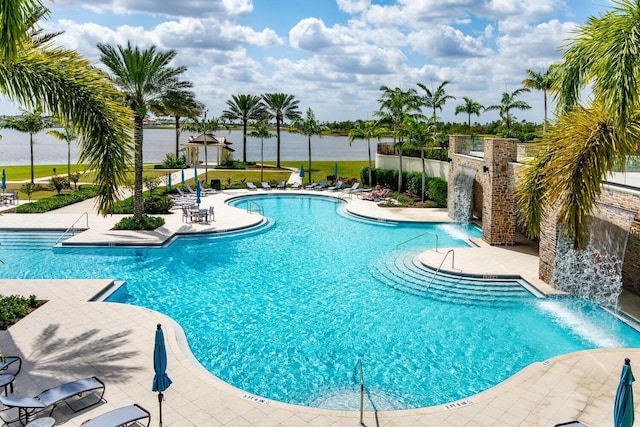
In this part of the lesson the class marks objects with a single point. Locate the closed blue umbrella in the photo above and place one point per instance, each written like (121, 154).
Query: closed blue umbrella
(161, 381)
(301, 171)
(335, 170)
(623, 406)
(169, 181)
(195, 174)
(4, 180)
(182, 176)
(197, 192)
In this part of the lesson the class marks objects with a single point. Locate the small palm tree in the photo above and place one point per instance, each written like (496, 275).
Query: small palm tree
(261, 130)
(544, 82)
(435, 99)
(510, 102)
(419, 134)
(281, 106)
(244, 108)
(30, 122)
(469, 107)
(68, 135)
(146, 80)
(179, 104)
(367, 129)
(308, 126)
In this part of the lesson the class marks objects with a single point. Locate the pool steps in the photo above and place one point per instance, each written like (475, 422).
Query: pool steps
(22, 240)
(403, 271)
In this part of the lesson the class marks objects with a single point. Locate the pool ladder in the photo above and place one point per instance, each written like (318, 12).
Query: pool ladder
(417, 237)
(453, 258)
(254, 207)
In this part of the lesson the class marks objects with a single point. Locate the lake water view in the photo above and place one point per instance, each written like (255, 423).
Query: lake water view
(14, 147)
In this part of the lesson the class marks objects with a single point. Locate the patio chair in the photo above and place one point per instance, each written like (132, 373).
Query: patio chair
(281, 185)
(28, 406)
(352, 189)
(8, 373)
(206, 191)
(321, 186)
(251, 186)
(311, 186)
(190, 190)
(266, 186)
(123, 416)
(336, 187)
(296, 186)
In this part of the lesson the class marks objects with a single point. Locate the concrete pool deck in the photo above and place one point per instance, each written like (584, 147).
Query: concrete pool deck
(72, 337)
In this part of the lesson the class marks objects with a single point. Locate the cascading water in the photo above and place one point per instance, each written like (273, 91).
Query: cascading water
(595, 272)
(462, 197)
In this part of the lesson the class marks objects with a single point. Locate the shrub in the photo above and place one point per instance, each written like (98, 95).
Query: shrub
(231, 164)
(170, 162)
(58, 183)
(151, 183)
(58, 201)
(437, 191)
(154, 203)
(147, 223)
(14, 308)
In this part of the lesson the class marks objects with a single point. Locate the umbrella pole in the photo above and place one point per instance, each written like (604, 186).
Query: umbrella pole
(160, 398)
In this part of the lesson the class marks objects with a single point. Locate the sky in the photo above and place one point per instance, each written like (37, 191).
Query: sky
(333, 55)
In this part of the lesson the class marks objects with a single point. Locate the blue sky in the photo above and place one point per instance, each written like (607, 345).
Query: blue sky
(334, 55)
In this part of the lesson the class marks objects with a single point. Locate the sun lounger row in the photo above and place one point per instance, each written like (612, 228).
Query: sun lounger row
(71, 393)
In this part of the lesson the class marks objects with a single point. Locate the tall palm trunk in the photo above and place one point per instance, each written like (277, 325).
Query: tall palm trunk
(244, 141)
(177, 118)
(31, 152)
(309, 139)
(68, 160)
(278, 145)
(400, 170)
(544, 125)
(424, 174)
(138, 203)
(369, 151)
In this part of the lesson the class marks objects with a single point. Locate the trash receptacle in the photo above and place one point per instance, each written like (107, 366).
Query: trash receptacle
(215, 184)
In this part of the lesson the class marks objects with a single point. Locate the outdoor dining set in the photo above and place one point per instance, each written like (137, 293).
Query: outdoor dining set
(194, 213)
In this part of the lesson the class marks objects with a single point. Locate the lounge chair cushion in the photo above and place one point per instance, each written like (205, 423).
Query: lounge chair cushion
(119, 417)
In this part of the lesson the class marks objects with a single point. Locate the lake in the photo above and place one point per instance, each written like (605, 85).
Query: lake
(14, 147)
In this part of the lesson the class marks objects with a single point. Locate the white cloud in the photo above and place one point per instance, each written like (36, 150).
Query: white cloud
(194, 8)
(353, 6)
(444, 42)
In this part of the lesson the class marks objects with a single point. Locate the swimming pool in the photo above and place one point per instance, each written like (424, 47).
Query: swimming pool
(286, 311)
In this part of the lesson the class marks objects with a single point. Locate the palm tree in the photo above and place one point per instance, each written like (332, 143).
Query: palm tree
(419, 134)
(146, 80)
(37, 74)
(396, 106)
(281, 106)
(508, 103)
(179, 104)
(30, 122)
(544, 82)
(469, 107)
(203, 126)
(587, 141)
(366, 130)
(68, 135)
(308, 126)
(261, 130)
(435, 99)
(244, 108)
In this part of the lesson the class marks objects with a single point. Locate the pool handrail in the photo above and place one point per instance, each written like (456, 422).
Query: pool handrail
(359, 366)
(72, 227)
(418, 236)
(258, 209)
(453, 258)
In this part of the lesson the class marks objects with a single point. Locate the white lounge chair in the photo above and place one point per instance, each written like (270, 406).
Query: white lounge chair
(123, 416)
(251, 186)
(281, 185)
(266, 186)
(336, 187)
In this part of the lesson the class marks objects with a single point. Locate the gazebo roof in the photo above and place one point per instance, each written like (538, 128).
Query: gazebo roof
(210, 139)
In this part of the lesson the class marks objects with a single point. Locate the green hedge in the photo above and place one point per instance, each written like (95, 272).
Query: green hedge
(435, 187)
(47, 204)
(154, 203)
(147, 223)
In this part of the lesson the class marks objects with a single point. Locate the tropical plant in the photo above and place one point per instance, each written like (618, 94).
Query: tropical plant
(435, 99)
(203, 126)
(367, 129)
(179, 104)
(36, 73)
(588, 141)
(30, 122)
(281, 106)
(419, 134)
(469, 107)
(396, 106)
(146, 81)
(308, 126)
(68, 135)
(509, 102)
(261, 130)
(544, 81)
(244, 108)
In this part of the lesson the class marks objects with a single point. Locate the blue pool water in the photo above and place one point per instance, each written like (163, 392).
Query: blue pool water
(286, 311)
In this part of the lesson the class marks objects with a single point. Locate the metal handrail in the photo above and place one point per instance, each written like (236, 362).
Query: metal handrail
(259, 208)
(72, 228)
(453, 258)
(418, 236)
(359, 365)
